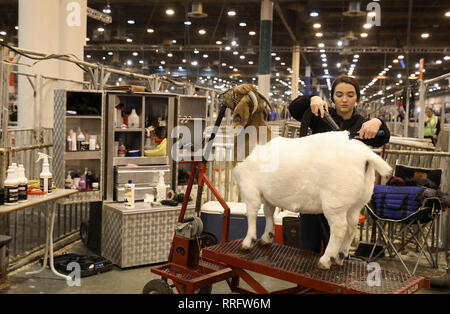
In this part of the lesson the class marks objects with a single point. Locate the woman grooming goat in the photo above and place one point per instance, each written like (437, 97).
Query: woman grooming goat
(309, 110)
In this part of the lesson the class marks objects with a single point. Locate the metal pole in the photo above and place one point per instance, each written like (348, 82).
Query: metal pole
(422, 94)
(295, 71)
(265, 43)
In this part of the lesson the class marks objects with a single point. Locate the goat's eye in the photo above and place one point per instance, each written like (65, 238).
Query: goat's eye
(237, 118)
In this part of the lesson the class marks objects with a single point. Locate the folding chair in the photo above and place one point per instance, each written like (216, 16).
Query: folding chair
(418, 226)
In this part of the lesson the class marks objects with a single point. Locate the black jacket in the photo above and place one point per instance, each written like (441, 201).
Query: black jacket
(300, 110)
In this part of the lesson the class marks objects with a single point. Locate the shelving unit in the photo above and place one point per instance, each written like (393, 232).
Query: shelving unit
(152, 109)
(90, 107)
(190, 111)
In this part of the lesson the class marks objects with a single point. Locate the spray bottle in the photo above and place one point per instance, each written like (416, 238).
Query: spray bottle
(46, 175)
(23, 184)
(149, 139)
(161, 188)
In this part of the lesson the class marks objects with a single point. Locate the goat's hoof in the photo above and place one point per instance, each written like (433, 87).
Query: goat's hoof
(341, 255)
(267, 240)
(323, 264)
(332, 260)
(244, 248)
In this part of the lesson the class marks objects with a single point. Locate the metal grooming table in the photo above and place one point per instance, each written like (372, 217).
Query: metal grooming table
(299, 267)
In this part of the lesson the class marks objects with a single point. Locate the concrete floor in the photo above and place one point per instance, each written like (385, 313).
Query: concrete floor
(118, 281)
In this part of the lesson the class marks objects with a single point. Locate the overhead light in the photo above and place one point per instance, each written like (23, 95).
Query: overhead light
(187, 22)
(227, 48)
(88, 56)
(107, 9)
(242, 57)
(242, 24)
(141, 61)
(367, 26)
(252, 33)
(205, 56)
(321, 45)
(129, 40)
(170, 55)
(317, 25)
(129, 62)
(323, 55)
(273, 54)
(314, 14)
(446, 58)
(202, 31)
(231, 13)
(277, 58)
(174, 41)
(400, 57)
(447, 14)
(438, 61)
(338, 65)
(339, 43)
(250, 62)
(218, 42)
(364, 35)
(101, 29)
(372, 14)
(425, 35)
(110, 53)
(395, 61)
(135, 54)
(130, 22)
(163, 62)
(150, 30)
(196, 51)
(194, 63)
(319, 34)
(233, 43)
(170, 12)
(235, 53)
(356, 56)
(88, 39)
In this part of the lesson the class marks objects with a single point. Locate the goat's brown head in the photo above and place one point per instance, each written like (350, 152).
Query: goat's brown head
(245, 101)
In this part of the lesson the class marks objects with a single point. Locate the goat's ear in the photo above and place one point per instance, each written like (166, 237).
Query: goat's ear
(242, 110)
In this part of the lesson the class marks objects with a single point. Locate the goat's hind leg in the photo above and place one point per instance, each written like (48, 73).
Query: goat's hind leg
(269, 232)
(250, 238)
(338, 227)
(352, 221)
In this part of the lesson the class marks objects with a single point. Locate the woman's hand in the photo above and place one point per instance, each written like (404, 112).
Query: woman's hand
(318, 105)
(369, 128)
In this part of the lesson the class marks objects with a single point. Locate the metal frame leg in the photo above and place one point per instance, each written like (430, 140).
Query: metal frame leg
(50, 219)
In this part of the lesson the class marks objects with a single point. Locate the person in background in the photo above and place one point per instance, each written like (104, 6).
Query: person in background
(309, 110)
(432, 126)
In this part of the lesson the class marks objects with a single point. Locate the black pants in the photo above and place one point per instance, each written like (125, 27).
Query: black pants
(314, 230)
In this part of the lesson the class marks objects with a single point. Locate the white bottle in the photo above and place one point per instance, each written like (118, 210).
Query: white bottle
(11, 185)
(161, 188)
(23, 184)
(80, 139)
(45, 176)
(133, 119)
(69, 182)
(129, 194)
(92, 142)
(73, 136)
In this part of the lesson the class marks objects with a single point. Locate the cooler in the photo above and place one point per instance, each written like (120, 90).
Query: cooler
(279, 215)
(212, 217)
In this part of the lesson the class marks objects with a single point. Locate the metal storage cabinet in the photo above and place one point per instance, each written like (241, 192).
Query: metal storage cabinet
(148, 106)
(139, 236)
(93, 102)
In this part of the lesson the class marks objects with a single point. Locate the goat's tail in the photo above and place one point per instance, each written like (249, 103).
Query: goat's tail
(381, 166)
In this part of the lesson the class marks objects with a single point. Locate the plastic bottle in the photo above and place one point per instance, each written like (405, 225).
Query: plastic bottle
(122, 150)
(45, 176)
(149, 139)
(69, 144)
(133, 119)
(80, 139)
(82, 184)
(92, 142)
(11, 187)
(69, 182)
(73, 136)
(161, 188)
(129, 194)
(23, 184)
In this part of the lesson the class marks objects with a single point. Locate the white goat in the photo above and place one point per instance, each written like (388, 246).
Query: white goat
(323, 173)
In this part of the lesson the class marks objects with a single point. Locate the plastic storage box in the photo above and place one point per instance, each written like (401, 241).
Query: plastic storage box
(212, 217)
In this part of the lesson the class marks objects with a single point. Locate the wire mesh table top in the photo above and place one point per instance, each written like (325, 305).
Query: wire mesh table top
(298, 266)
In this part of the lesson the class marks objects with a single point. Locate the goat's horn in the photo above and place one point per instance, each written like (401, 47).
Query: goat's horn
(254, 100)
(266, 100)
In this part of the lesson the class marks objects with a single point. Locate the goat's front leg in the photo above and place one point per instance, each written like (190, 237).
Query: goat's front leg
(269, 232)
(338, 228)
(250, 238)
